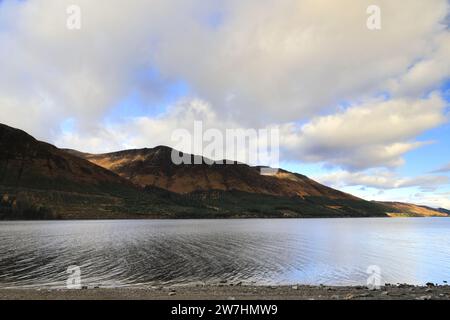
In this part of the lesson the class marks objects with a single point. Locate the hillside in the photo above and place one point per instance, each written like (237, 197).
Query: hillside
(400, 209)
(233, 187)
(40, 181)
(154, 168)
(222, 185)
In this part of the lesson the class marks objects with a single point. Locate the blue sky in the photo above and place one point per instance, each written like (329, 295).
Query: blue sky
(365, 111)
(137, 104)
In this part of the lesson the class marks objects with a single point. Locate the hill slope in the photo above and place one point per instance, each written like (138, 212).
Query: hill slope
(222, 185)
(154, 168)
(38, 180)
(400, 209)
(233, 187)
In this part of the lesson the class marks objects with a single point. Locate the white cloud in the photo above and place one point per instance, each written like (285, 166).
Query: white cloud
(382, 179)
(52, 73)
(265, 62)
(141, 132)
(434, 200)
(376, 134)
(372, 134)
(424, 75)
(290, 59)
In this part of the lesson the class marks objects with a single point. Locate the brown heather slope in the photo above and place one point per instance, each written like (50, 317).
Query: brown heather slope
(155, 168)
(400, 209)
(235, 188)
(40, 181)
(27, 162)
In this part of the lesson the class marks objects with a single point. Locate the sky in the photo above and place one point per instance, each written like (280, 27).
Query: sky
(362, 110)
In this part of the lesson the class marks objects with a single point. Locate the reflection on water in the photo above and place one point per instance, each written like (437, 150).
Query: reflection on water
(178, 252)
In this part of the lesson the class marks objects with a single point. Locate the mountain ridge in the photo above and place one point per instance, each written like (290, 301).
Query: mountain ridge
(414, 210)
(41, 181)
(119, 163)
(154, 167)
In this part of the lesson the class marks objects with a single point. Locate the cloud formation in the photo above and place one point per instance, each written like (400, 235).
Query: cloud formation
(292, 59)
(286, 59)
(372, 134)
(434, 200)
(382, 179)
(437, 200)
(343, 95)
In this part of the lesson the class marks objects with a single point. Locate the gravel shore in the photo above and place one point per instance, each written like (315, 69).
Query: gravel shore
(228, 292)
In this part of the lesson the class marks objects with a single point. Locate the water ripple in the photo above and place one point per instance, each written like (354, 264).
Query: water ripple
(272, 251)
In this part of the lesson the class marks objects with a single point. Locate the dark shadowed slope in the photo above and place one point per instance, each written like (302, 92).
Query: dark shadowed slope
(26, 162)
(38, 180)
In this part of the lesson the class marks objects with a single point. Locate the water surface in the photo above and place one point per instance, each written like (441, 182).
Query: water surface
(263, 251)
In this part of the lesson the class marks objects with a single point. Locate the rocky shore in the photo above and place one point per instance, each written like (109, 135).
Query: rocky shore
(236, 292)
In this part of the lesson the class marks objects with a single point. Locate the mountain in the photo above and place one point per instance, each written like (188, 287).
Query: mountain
(236, 183)
(235, 188)
(40, 181)
(155, 168)
(26, 162)
(400, 209)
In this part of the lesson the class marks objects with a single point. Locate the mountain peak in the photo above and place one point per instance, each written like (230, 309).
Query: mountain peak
(146, 183)
(154, 168)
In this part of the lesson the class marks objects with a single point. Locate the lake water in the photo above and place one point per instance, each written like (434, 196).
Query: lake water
(180, 252)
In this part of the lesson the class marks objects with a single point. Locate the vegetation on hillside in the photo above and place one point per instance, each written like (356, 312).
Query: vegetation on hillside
(40, 181)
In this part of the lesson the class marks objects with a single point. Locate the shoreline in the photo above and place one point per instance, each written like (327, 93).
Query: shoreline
(237, 292)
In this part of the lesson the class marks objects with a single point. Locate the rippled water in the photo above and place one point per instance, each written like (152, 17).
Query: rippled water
(179, 252)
